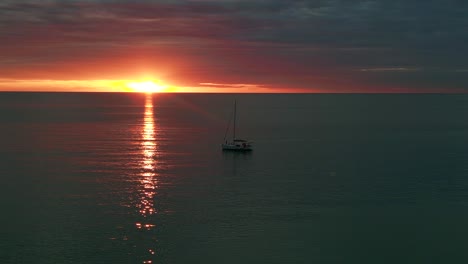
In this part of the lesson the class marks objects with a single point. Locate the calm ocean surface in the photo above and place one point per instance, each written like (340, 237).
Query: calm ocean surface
(132, 178)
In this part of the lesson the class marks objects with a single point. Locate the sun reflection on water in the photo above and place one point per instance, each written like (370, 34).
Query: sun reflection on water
(148, 176)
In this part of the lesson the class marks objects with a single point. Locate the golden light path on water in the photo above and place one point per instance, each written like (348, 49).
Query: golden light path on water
(148, 177)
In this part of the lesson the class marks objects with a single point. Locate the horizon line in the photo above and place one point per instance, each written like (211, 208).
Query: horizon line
(305, 92)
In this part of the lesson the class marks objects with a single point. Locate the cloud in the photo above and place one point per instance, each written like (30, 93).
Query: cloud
(391, 69)
(296, 43)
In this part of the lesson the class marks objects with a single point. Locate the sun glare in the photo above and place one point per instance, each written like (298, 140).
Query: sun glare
(146, 87)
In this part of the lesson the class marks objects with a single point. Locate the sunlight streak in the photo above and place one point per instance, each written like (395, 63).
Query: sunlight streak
(148, 184)
(148, 180)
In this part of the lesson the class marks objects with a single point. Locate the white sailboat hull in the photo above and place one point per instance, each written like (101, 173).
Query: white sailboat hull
(237, 146)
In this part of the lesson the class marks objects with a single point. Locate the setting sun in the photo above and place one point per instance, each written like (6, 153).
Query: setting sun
(146, 87)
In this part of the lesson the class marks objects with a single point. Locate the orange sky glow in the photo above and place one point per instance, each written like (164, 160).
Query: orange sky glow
(130, 85)
(226, 46)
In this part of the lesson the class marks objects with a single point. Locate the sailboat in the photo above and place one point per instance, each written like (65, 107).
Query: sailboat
(235, 144)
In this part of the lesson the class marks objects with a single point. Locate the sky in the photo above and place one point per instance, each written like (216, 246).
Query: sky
(329, 46)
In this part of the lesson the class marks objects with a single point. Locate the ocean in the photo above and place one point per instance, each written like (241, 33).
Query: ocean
(135, 178)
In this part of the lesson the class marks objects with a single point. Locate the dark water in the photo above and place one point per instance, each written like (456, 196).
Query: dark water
(129, 178)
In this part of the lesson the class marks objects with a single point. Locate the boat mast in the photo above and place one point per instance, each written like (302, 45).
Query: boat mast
(234, 130)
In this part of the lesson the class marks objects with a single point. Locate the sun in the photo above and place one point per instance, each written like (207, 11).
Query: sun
(146, 87)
